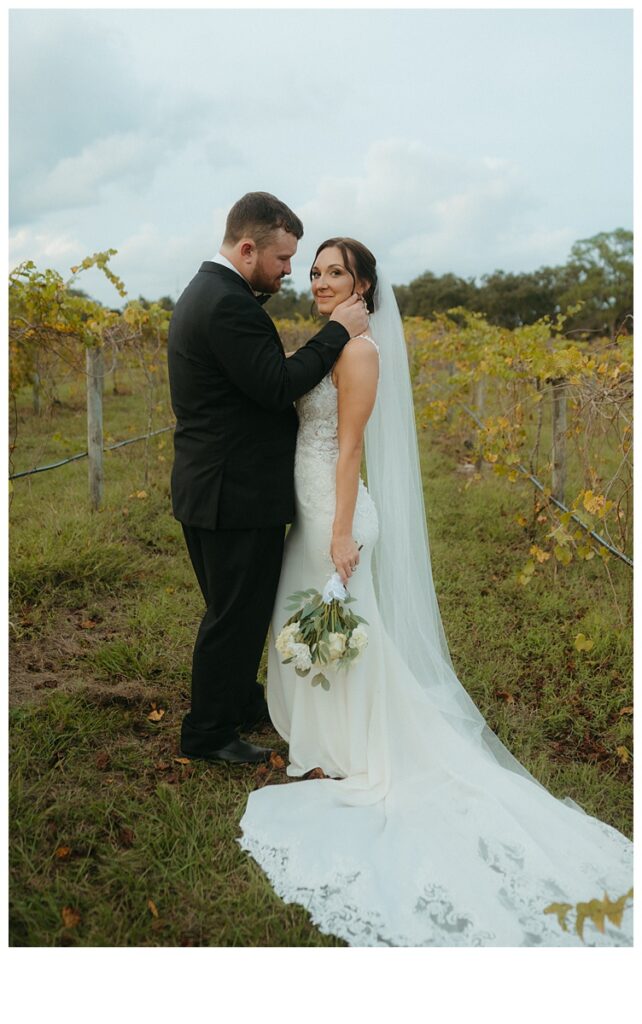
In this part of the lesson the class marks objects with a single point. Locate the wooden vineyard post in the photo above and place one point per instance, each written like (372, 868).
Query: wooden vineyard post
(479, 400)
(36, 393)
(450, 369)
(558, 459)
(36, 387)
(95, 376)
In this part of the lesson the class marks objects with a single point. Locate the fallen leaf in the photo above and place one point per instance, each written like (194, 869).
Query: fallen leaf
(182, 760)
(103, 760)
(162, 766)
(63, 852)
(70, 917)
(152, 908)
(276, 761)
(126, 837)
(626, 711)
(582, 643)
(88, 624)
(155, 714)
(623, 754)
(508, 697)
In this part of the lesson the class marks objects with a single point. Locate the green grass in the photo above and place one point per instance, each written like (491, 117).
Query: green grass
(103, 617)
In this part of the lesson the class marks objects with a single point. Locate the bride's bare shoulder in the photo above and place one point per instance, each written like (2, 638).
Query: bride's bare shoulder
(362, 348)
(359, 358)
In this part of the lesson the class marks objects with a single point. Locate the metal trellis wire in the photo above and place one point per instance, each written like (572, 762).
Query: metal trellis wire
(84, 455)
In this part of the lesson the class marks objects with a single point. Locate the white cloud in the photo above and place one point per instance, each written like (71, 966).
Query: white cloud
(418, 208)
(122, 159)
(26, 244)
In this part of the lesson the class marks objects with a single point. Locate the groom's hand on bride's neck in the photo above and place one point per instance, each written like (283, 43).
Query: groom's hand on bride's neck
(351, 314)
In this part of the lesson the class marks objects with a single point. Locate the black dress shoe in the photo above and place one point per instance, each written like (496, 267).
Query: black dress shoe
(237, 751)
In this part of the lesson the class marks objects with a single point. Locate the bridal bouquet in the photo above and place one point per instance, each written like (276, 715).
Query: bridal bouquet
(322, 631)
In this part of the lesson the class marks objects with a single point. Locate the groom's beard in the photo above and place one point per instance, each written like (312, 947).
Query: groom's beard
(262, 282)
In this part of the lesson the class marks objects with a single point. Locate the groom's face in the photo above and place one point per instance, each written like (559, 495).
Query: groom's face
(273, 261)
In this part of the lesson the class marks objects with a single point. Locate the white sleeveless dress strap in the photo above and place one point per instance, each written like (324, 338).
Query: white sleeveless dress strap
(368, 338)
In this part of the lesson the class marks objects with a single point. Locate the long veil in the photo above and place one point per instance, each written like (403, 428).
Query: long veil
(402, 570)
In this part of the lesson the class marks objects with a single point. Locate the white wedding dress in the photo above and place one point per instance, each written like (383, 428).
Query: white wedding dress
(420, 838)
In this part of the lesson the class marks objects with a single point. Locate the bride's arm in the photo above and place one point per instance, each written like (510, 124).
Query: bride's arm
(356, 374)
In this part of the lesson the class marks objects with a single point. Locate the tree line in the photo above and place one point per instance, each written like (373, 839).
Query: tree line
(597, 277)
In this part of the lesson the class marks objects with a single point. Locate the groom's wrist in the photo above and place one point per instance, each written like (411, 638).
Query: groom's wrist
(334, 330)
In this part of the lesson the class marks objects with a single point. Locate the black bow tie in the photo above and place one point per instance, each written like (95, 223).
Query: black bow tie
(262, 299)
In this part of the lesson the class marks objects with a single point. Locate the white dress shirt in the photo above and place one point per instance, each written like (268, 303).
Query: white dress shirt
(223, 260)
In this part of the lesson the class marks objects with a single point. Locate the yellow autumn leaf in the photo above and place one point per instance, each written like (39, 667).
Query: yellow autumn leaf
(582, 642)
(623, 754)
(627, 710)
(153, 909)
(562, 554)
(540, 554)
(155, 714)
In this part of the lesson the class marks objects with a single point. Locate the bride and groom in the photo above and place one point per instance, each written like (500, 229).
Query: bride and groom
(415, 825)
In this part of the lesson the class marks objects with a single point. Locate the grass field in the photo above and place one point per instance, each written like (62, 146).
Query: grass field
(113, 841)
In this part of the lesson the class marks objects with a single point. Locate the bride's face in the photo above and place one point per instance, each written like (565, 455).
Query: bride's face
(330, 281)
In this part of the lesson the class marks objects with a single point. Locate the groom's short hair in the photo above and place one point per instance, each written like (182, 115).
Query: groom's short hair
(256, 215)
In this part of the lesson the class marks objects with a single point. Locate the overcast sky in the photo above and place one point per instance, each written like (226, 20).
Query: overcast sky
(462, 140)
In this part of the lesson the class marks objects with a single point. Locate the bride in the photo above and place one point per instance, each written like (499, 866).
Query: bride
(415, 825)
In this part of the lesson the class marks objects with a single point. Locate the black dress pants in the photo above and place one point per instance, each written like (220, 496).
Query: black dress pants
(238, 572)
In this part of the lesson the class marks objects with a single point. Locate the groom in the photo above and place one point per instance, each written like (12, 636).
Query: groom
(232, 392)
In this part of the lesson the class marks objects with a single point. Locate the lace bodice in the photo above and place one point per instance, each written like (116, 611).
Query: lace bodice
(317, 450)
(318, 422)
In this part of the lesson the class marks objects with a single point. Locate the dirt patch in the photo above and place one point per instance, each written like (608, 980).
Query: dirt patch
(38, 665)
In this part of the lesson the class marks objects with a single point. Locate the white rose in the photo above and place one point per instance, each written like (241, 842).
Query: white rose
(359, 639)
(286, 640)
(301, 655)
(337, 645)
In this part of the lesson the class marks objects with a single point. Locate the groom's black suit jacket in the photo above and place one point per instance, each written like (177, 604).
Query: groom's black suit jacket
(232, 392)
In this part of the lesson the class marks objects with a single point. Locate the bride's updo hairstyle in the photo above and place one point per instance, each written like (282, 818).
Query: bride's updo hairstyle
(358, 261)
